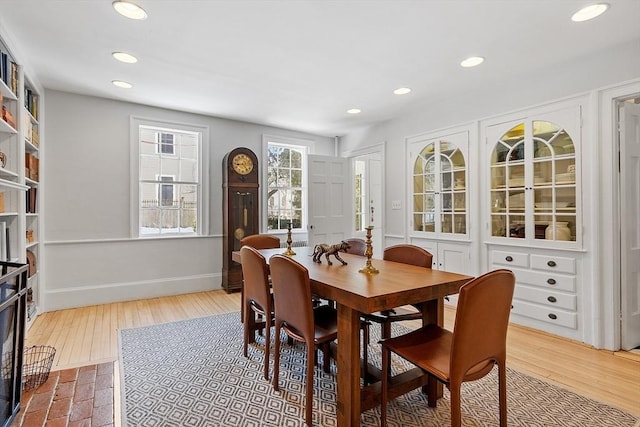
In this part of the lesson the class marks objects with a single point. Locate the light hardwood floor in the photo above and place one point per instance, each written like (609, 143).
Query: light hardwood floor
(88, 335)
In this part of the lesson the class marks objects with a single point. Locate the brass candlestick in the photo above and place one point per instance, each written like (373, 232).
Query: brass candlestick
(289, 251)
(368, 268)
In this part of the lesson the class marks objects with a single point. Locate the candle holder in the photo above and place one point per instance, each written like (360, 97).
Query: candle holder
(368, 268)
(289, 251)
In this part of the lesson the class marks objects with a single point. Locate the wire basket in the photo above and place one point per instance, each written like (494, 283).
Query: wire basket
(36, 365)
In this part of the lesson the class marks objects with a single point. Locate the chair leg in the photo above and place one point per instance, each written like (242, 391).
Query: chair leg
(365, 352)
(308, 414)
(267, 346)
(247, 328)
(456, 416)
(502, 378)
(276, 357)
(432, 391)
(386, 359)
(326, 358)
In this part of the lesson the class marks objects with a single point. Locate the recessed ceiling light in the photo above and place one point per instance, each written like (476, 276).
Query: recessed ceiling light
(122, 84)
(125, 57)
(589, 12)
(130, 10)
(354, 111)
(472, 61)
(402, 91)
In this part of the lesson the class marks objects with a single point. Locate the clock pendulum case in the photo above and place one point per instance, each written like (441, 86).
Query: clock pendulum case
(240, 210)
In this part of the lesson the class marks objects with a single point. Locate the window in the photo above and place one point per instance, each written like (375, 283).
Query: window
(169, 185)
(286, 192)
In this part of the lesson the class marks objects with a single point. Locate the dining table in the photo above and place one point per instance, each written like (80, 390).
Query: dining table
(355, 293)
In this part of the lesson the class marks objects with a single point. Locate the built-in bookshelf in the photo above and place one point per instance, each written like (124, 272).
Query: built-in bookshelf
(20, 154)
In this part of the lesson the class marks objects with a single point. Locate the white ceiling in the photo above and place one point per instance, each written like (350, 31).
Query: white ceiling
(300, 64)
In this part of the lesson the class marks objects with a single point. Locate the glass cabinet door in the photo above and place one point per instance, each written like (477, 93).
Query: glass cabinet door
(533, 183)
(439, 189)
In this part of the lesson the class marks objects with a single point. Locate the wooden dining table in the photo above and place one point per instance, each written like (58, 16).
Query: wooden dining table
(355, 293)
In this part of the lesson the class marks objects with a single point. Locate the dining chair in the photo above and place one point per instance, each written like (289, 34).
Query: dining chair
(295, 315)
(477, 343)
(356, 246)
(257, 299)
(257, 241)
(261, 241)
(406, 254)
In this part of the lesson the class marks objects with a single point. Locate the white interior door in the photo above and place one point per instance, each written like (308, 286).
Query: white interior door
(630, 225)
(375, 202)
(328, 199)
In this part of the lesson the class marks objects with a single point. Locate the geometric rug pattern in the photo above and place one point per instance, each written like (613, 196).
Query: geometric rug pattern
(192, 373)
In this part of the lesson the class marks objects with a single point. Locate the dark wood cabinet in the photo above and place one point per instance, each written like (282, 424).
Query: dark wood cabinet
(240, 209)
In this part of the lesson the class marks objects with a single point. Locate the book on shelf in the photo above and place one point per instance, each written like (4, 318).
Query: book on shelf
(4, 243)
(32, 197)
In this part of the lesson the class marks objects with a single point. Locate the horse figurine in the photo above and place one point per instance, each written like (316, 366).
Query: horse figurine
(326, 250)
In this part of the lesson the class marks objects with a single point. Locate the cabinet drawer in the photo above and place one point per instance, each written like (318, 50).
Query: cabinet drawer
(510, 259)
(554, 316)
(546, 298)
(553, 263)
(550, 281)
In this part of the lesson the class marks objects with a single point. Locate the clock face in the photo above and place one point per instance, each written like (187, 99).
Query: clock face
(242, 164)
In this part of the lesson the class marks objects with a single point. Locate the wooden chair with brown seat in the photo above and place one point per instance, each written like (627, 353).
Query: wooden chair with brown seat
(257, 241)
(257, 299)
(477, 343)
(294, 313)
(356, 246)
(406, 254)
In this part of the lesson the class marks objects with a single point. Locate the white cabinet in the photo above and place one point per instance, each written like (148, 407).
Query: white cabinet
(534, 179)
(547, 288)
(439, 185)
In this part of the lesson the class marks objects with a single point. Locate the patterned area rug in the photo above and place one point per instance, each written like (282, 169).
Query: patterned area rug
(193, 373)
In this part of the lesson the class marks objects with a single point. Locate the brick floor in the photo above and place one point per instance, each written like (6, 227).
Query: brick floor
(81, 397)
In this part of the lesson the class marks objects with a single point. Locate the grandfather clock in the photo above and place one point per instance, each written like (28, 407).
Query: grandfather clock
(240, 211)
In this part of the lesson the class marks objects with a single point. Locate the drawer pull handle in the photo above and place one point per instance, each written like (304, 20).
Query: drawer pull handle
(552, 316)
(551, 299)
(509, 258)
(551, 263)
(551, 281)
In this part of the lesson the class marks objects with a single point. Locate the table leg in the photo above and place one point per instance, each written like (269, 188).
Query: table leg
(348, 367)
(433, 313)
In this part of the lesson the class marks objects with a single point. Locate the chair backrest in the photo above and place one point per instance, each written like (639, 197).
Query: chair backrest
(261, 241)
(255, 274)
(292, 293)
(482, 318)
(408, 254)
(356, 246)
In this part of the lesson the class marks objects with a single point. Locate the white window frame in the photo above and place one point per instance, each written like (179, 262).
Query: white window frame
(307, 147)
(203, 174)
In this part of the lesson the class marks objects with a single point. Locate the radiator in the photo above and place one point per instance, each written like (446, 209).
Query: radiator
(294, 244)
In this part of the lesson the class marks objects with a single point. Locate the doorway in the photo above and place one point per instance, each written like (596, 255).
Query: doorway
(367, 198)
(629, 217)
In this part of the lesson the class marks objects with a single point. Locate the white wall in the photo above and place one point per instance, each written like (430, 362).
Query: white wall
(90, 257)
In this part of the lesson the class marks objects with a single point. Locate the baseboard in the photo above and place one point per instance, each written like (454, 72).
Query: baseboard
(80, 296)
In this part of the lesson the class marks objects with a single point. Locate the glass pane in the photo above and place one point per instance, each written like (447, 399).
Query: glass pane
(418, 202)
(150, 221)
(188, 170)
(544, 130)
(541, 149)
(273, 152)
(445, 164)
(149, 167)
(447, 221)
(284, 158)
(459, 181)
(460, 224)
(498, 201)
(283, 178)
(516, 226)
(296, 159)
(430, 166)
(418, 184)
(514, 134)
(447, 148)
(516, 175)
(169, 221)
(446, 183)
(541, 223)
(296, 199)
(516, 154)
(296, 178)
(428, 150)
(418, 165)
(500, 153)
(498, 177)
(515, 200)
(189, 221)
(296, 219)
(498, 225)
(543, 199)
(189, 149)
(542, 172)
(563, 144)
(429, 203)
(446, 202)
(459, 202)
(417, 222)
(457, 159)
(149, 195)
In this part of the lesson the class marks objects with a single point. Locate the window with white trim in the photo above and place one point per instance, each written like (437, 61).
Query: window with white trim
(169, 180)
(286, 191)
